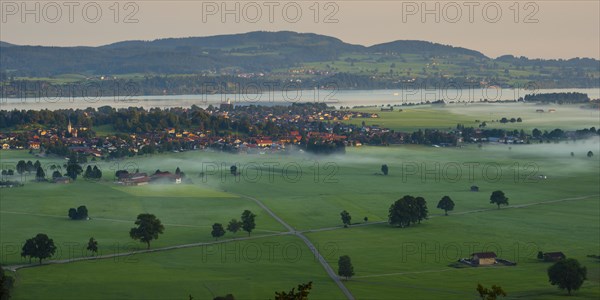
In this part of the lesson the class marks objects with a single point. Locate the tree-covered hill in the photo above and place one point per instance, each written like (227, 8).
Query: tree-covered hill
(289, 55)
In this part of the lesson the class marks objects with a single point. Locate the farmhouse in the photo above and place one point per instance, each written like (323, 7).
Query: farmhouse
(554, 256)
(134, 179)
(34, 145)
(483, 258)
(165, 177)
(264, 142)
(62, 180)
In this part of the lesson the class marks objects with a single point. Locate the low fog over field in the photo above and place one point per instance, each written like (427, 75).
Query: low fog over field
(564, 116)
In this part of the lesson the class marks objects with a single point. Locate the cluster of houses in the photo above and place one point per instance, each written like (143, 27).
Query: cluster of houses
(320, 123)
(39, 139)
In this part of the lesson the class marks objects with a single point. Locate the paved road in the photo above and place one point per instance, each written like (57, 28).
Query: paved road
(310, 246)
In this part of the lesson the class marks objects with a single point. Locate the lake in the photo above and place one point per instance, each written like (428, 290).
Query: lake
(331, 97)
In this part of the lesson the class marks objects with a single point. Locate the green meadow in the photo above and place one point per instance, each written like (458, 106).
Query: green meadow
(554, 206)
(249, 270)
(187, 214)
(414, 263)
(412, 118)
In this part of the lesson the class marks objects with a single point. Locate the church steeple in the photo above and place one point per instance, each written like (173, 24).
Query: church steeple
(69, 127)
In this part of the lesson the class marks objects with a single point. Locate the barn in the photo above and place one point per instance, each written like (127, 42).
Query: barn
(554, 256)
(483, 258)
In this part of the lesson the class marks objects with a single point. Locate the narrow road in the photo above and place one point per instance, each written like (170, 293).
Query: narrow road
(310, 246)
(122, 254)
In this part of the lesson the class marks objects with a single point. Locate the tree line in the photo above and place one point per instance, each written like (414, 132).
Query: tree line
(247, 224)
(559, 98)
(410, 210)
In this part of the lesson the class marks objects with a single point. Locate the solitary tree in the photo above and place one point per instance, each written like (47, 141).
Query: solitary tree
(567, 274)
(148, 228)
(498, 198)
(345, 267)
(490, 294)
(92, 245)
(72, 214)
(40, 175)
(217, 231)
(40, 247)
(21, 167)
(384, 169)
(234, 226)
(97, 173)
(233, 170)
(29, 167)
(73, 168)
(407, 210)
(345, 218)
(400, 212)
(28, 249)
(56, 174)
(248, 222)
(446, 204)
(590, 154)
(88, 173)
(82, 212)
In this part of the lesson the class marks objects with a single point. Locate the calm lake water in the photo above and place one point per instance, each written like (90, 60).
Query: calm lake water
(331, 97)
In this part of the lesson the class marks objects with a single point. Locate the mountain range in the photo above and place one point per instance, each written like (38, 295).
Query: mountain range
(279, 52)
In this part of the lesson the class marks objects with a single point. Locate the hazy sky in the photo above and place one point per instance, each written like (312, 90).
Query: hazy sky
(539, 29)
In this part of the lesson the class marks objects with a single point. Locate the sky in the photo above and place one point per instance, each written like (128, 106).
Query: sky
(536, 29)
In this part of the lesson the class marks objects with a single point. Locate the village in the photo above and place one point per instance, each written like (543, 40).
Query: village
(80, 139)
(255, 130)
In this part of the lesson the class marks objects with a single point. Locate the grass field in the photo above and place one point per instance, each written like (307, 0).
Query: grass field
(35, 208)
(415, 261)
(559, 213)
(251, 270)
(412, 118)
